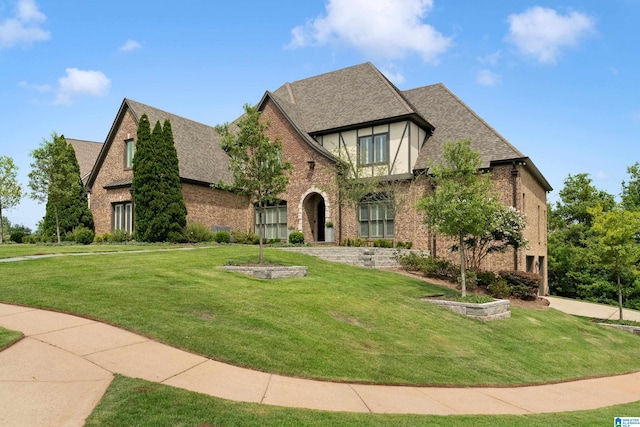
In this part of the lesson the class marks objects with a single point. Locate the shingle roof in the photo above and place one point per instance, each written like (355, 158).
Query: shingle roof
(200, 155)
(335, 100)
(87, 153)
(454, 120)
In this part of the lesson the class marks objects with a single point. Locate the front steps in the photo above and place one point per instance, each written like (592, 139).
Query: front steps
(362, 257)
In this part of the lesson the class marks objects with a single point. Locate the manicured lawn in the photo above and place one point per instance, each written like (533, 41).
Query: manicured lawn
(133, 402)
(10, 250)
(7, 337)
(340, 322)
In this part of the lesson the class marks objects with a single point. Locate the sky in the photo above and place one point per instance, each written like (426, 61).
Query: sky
(558, 79)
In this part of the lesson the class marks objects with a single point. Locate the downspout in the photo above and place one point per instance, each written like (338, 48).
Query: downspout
(514, 182)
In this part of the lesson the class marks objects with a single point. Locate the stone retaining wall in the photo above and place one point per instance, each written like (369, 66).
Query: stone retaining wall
(495, 310)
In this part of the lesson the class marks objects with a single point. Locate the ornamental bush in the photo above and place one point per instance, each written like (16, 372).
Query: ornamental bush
(198, 233)
(222, 237)
(522, 285)
(17, 236)
(296, 238)
(83, 235)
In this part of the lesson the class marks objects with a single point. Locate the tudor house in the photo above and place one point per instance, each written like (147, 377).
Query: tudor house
(356, 115)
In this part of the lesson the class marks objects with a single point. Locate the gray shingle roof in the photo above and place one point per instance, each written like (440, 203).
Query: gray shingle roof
(335, 100)
(87, 153)
(200, 155)
(454, 120)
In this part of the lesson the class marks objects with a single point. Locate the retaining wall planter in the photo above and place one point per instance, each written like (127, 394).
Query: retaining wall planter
(268, 272)
(628, 328)
(494, 310)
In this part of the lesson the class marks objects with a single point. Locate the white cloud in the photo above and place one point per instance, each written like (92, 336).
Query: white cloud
(37, 88)
(24, 28)
(491, 59)
(388, 29)
(129, 45)
(81, 82)
(393, 74)
(487, 78)
(542, 33)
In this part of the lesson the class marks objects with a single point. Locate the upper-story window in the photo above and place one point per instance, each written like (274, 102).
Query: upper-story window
(373, 149)
(128, 154)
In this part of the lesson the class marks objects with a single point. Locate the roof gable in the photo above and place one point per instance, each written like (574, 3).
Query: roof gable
(200, 154)
(334, 100)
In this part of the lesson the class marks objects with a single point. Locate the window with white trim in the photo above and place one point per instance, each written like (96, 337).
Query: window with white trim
(123, 216)
(373, 149)
(376, 218)
(275, 221)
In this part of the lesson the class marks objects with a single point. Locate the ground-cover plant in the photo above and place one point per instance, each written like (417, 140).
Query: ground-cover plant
(134, 402)
(340, 322)
(8, 337)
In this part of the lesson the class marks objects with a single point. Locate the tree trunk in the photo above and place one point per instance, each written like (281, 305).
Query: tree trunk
(463, 268)
(619, 295)
(260, 232)
(57, 225)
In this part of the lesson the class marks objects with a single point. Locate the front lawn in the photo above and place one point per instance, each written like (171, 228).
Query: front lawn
(340, 323)
(133, 402)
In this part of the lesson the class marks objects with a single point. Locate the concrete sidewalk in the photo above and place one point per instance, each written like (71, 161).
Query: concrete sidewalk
(58, 373)
(590, 309)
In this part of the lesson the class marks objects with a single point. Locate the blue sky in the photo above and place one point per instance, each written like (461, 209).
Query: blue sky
(558, 79)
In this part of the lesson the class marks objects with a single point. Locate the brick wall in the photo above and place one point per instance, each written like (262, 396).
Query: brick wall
(209, 207)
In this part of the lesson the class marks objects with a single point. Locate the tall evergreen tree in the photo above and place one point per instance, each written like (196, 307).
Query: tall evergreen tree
(160, 211)
(73, 210)
(55, 179)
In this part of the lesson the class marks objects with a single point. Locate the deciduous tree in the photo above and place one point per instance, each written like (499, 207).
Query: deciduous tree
(10, 188)
(462, 204)
(256, 162)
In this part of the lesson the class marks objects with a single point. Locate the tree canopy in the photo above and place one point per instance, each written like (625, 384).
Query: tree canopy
(55, 179)
(462, 204)
(10, 188)
(255, 162)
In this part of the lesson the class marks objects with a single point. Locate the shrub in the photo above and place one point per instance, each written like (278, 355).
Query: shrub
(523, 285)
(485, 278)
(176, 237)
(296, 238)
(17, 236)
(381, 243)
(30, 239)
(83, 235)
(222, 237)
(499, 288)
(118, 236)
(198, 233)
(441, 269)
(411, 261)
(245, 237)
(106, 237)
(471, 280)
(98, 239)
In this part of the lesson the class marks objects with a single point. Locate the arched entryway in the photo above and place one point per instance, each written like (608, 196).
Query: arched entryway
(313, 217)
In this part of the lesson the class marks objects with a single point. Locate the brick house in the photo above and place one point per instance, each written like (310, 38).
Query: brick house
(355, 114)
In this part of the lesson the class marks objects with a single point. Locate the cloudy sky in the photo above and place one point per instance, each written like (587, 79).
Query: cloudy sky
(558, 79)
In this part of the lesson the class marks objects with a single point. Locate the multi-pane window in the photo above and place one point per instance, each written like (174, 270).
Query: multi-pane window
(376, 217)
(123, 216)
(373, 149)
(128, 154)
(275, 219)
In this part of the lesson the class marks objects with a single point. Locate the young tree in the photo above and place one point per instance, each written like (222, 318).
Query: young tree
(52, 176)
(73, 210)
(616, 234)
(462, 204)
(160, 211)
(256, 162)
(10, 188)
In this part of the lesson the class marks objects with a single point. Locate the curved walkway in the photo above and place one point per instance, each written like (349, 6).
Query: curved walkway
(61, 369)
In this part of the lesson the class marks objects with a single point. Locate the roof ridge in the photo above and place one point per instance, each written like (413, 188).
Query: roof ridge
(82, 140)
(166, 112)
(397, 92)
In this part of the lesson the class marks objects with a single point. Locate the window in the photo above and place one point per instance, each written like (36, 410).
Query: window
(373, 149)
(128, 154)
(275, 221)
(123, 216)
(375, 217)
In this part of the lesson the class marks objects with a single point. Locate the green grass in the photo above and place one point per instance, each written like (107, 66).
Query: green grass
(10, 250)
(8, 337)
(133, 402)
(340, 322)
